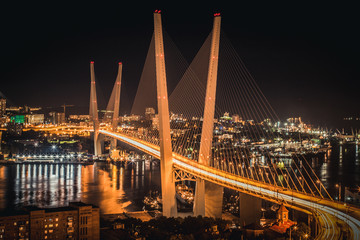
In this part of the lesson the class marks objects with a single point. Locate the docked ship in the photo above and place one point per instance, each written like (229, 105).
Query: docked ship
(184, 194)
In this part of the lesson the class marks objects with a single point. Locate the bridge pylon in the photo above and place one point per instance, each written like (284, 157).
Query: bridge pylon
(209, 196)
(115, 117)
(93, 112)
(166, 162)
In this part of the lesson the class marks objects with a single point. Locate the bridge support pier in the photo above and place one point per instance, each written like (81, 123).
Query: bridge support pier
(250, 208)
(113, 144)
(98, 143)
(199, 199)
(208, 199)
(213, 200)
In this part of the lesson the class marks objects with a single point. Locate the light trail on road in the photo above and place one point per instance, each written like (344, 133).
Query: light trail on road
(232, 181)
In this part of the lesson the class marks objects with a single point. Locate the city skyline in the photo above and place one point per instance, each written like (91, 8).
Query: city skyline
(302, 59)
(214, 131)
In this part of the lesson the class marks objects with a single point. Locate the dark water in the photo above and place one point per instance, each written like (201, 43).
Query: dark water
(112, 188)
(117, 189)
(340, 166)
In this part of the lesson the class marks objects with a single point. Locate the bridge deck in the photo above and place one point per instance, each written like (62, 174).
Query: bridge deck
(325, 209)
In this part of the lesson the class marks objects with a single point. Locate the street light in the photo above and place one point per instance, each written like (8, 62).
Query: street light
(319, 182)
(295, 228)
(339, 186)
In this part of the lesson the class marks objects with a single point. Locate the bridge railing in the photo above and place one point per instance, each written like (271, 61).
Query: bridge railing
(259, 174)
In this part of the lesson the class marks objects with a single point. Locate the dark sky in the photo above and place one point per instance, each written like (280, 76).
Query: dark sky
(304, 56)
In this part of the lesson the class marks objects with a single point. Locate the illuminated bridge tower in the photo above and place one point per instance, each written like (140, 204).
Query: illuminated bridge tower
(167, 181)
(209, 196)
(116, 93)
(94, 112)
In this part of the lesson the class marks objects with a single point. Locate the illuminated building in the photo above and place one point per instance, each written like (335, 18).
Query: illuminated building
(283, 221)
(57, 118)
(79, 117)
(2, 106)
(35, 119)
(130, 118)
(78, 221)
(15, 125)
(155, 121)
(236, 118)
(149, 113)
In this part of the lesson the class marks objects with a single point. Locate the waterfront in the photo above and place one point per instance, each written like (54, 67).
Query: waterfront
(117, 189)
(341, 165)
(112, 188)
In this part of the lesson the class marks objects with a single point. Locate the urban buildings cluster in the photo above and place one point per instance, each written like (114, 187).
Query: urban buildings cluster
(77, 221)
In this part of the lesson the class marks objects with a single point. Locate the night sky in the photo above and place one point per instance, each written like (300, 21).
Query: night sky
(304, 56)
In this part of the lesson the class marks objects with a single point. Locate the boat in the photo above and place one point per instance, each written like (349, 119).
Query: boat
(184, 194)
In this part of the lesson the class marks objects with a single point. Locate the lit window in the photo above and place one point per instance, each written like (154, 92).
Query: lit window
(56, 225)
(45, 231)
(15, 223)
(56, 219)
(50, 231)
(45, 237)
(45, 226)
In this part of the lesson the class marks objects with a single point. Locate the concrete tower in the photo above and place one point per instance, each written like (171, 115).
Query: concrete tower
(94, 117)
(167, 181)
(116, 91)
(208, 196)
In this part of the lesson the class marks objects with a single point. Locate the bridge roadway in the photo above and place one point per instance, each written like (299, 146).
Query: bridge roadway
(328, 212)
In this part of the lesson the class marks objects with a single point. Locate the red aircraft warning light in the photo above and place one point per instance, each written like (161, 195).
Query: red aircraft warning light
(216, 14)
(120, 63)
(157, 11)
(92, 62)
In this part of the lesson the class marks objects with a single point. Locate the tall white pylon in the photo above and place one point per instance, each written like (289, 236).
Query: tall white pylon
(208, 196)
(167, 180)
(116, 92)
(94, 116)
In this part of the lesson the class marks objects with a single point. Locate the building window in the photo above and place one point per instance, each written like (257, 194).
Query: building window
(56, 219)
(56, 225)
(45, 226)
(45, 231)
(15, 223)
(50, 231)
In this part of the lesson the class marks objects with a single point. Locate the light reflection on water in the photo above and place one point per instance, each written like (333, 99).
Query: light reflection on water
(340, 165)
(116, 189)
(112, 188)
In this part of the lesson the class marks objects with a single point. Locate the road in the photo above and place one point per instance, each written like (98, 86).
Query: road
(328, 212)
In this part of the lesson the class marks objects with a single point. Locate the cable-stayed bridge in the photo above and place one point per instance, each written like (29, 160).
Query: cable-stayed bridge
(192, 136)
